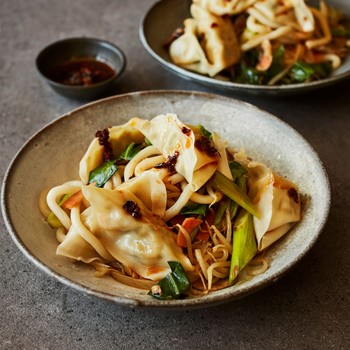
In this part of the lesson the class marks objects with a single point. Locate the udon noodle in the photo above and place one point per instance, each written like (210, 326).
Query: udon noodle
(152, 193)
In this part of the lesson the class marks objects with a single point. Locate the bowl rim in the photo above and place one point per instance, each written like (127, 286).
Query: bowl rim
(105, 43)
(184, 304)
(284, 89)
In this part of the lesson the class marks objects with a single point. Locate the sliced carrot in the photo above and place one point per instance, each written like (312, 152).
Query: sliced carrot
(181, 240)
(202, 236)
(189, 224)
(73, 200)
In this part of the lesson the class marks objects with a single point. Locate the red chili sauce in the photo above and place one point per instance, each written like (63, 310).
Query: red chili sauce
(82, 72)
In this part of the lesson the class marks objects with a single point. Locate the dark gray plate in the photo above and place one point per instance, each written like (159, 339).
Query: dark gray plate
(167, 15)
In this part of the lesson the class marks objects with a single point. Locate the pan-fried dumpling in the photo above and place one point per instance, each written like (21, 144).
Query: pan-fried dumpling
(277, 201)
(187, 52)
(149, 188)
(119, 136)
(219, 39)
(173, 138)
(224, 7)
(92, 158)
(74, 246)
(132, 234)
(217, 50)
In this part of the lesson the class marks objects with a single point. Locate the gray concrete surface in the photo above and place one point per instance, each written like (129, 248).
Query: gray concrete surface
(307, 309)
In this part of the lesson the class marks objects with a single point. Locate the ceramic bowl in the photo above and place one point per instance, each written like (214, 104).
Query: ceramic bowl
(166, 15)
(264, 137)
(70, 49)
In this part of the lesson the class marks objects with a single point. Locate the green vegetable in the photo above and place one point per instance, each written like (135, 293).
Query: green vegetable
(129, 152)
(237, 169)
(248, 75)
(194, 209)
(302, 71)
(244, 243)
(231, 205)
(204, 131)
(220, 212)
(52, 219)
(148, 142)
(173, 286)
(341, 32)
(241, 182)
(251, 57)
(103, 173)
(277, 65)
(231, 190)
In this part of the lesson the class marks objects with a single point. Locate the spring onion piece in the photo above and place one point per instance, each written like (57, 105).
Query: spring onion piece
(173, 286)
(129, 152)
(248, 75)
(237, 169)
(241, 182)
(204, 131)
(244, 243)
(103, 173)
(148, 142)
(231, 190)
(194, 209)
(302, 71)
(220, 213)
(342, 32)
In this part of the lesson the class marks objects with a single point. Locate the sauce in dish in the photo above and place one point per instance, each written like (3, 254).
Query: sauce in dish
(86, 71)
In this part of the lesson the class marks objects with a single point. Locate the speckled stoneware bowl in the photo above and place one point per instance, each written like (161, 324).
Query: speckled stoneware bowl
(53, 159)
(167, 15)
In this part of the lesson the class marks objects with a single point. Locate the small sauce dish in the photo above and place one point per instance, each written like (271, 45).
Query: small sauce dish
(81, 68)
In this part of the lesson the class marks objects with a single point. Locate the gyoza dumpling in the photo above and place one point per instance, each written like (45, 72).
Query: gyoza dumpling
(277, 201)
(218, 49)
(74, 246)
(224, 7)
(150, 189)
(186, 50)
(132, 234)
(219, 39)
(172, 137)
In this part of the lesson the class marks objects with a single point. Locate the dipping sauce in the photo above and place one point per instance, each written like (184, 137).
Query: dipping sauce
(82, 72)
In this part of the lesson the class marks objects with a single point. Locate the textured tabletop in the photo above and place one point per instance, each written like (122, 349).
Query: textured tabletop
(308, 308)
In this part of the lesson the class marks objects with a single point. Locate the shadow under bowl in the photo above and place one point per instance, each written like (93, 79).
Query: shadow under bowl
(75, 49)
